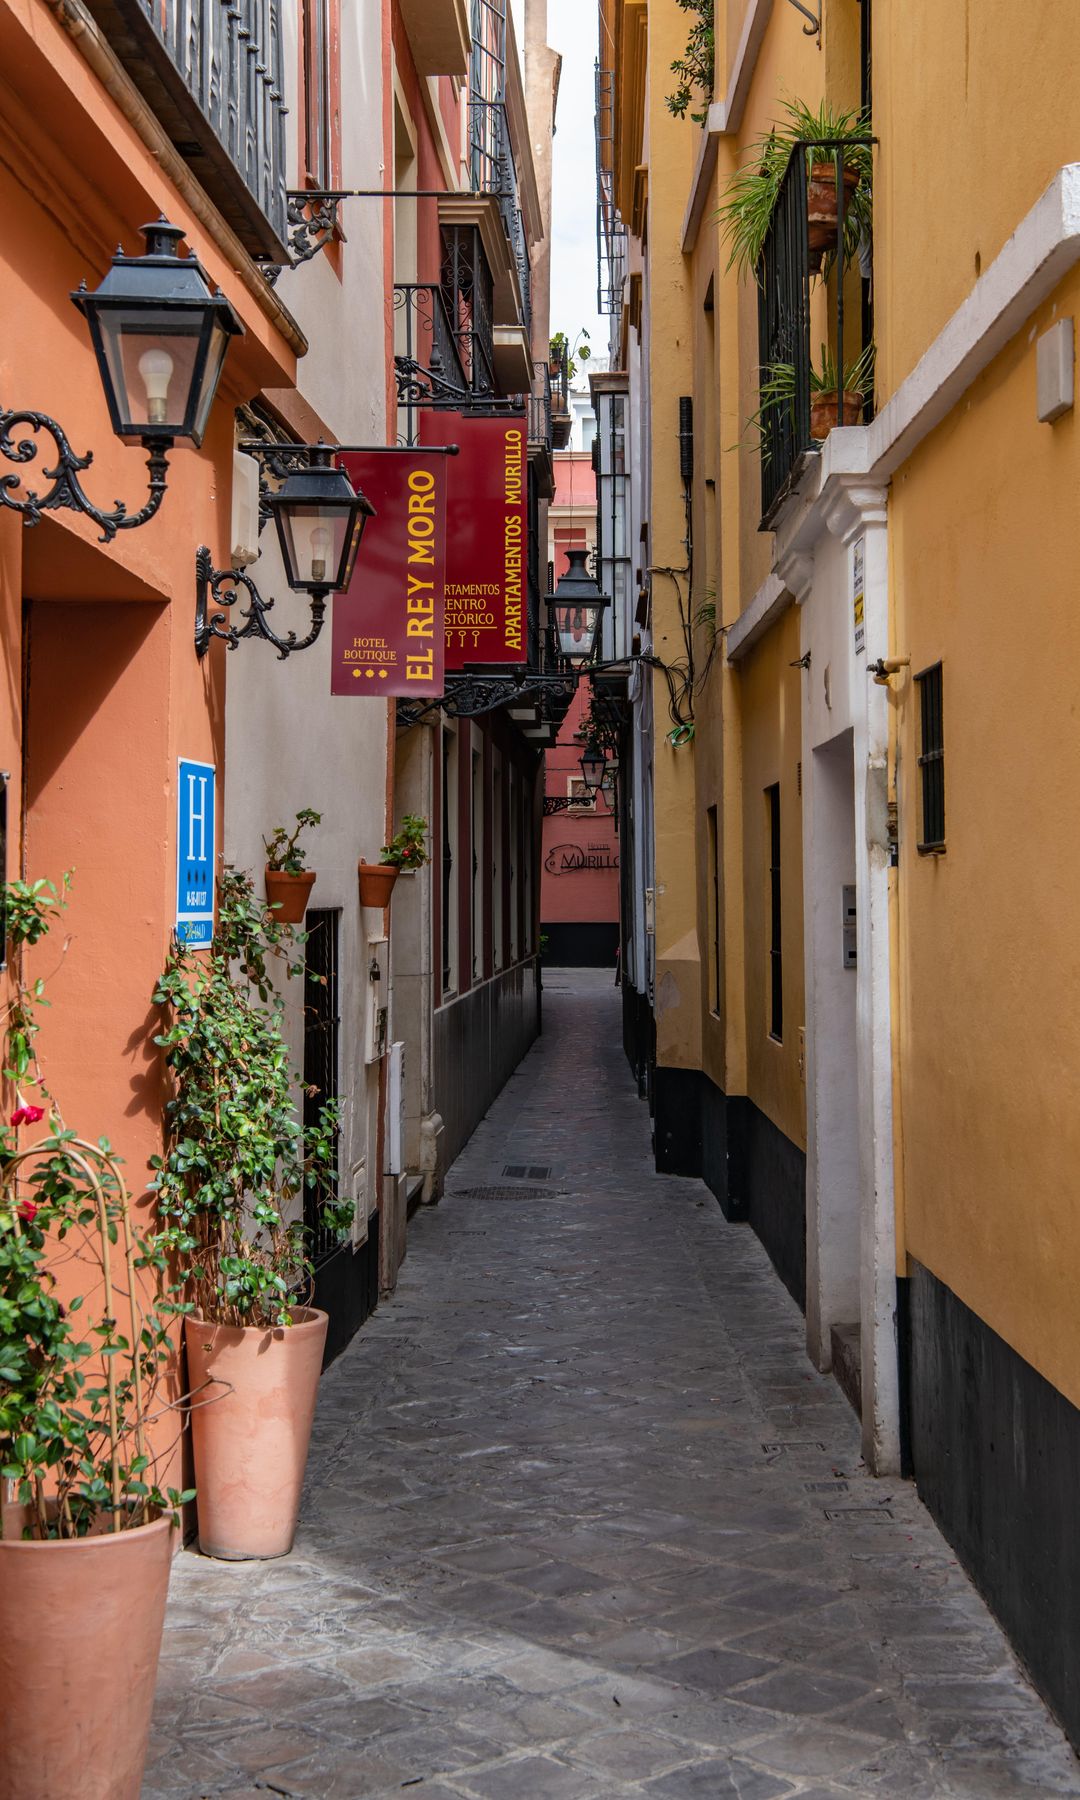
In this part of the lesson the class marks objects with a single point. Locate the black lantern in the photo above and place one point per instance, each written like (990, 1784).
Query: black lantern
(576, 609)
(320, 521)
(160, 338)
(593, 765)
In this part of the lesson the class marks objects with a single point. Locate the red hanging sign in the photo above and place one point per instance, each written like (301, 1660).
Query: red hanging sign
(487, 536)
(387, 634)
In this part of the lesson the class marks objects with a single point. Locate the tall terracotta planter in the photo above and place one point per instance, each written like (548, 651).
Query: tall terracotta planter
(376, 882)
(288, 894)
(80, 1633)
(823, 411)
(250, 1428)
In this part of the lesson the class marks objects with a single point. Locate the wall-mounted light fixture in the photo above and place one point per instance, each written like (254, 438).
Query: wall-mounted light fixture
(320, 520)
(160, 338)
(576, 609)
(593, 765)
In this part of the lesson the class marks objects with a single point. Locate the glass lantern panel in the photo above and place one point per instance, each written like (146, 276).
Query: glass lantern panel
(211, 375)
(152, 359)
(577, 628)
(317, 542)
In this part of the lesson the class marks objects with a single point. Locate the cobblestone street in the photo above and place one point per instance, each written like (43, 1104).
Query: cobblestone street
(583, 1520)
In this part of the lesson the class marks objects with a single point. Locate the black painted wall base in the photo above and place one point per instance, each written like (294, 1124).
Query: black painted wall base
(585, 944)
(639, 1039)
(996, 1457)
(347, 1287)
(757, 1174)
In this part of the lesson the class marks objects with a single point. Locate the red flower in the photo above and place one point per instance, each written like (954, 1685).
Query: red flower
(27, 1115)
(27, 1210)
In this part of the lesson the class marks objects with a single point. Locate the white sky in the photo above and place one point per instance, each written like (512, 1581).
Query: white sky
(572, 30)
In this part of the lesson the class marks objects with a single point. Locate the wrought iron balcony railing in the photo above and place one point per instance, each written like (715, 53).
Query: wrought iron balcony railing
(468, 292)
(540, 408)
(211, 71)
(800, 400)
(428, 361)
(492, 170)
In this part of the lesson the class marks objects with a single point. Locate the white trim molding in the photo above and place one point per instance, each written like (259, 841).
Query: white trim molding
(772, 598)
(725, 116)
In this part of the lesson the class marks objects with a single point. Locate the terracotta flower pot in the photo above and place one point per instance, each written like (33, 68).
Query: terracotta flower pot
(821, 207)
(250, 1434)
(376, 883)
(823, 411)
(80, 1632)
(288, 894)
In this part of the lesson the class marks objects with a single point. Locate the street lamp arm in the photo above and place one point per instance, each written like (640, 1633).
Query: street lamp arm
(224, 587)
(67, 490)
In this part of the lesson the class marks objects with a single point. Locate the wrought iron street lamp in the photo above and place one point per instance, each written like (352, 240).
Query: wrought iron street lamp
(320, 519)
(593, 764)
(160, 338)
(576, 609)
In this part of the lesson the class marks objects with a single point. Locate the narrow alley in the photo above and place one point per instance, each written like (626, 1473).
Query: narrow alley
(583, 1520)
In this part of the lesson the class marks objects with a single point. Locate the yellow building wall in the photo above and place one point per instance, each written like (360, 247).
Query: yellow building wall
(975, 107)
(983, 523)
(771, 717)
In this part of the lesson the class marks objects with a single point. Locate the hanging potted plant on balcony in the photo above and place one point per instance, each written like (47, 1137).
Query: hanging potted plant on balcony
(830, 139)
(403, 855)
(232, 1186)
(288, 882)
(86, 1534)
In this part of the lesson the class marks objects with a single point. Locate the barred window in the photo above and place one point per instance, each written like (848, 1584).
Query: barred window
(931, 761)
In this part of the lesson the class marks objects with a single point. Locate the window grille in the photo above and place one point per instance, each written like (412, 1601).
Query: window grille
(931, 761)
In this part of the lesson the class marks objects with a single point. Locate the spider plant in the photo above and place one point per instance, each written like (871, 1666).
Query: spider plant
(776, 390)
(752, 192)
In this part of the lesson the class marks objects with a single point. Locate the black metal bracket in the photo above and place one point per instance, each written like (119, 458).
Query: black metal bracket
(813, 29)
(66, 490)
(417, 386)
(312, 217)
(557, 803)
(224, 587)
(472, 696)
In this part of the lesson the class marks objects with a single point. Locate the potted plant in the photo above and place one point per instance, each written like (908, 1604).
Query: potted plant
(288, 882)
(403, 855)
(830, 139)
(231, 1187)
(86, 1534)
(777, 393)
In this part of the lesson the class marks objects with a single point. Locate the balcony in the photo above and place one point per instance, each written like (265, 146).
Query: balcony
(562, 418)
(438, 33)
(540, 443)
(468, 293)
(211, 71)
(809, 241)
(493, 174)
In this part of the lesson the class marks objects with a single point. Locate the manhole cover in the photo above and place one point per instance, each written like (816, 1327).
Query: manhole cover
(506, 1193)
(528, 1171)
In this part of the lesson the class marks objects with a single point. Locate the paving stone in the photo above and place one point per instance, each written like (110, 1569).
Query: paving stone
(564, 1535)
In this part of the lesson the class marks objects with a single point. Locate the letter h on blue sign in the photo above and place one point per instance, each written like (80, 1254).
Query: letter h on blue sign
(195, 838)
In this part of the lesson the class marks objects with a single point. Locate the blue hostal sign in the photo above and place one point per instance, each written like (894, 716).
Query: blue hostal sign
(195, 855)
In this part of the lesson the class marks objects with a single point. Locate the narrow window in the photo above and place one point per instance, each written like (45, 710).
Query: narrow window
(712, 879)
(321, 1021)
(318, 97)
(931, 762)
(776, 961)
(449, 881)
(477, 866)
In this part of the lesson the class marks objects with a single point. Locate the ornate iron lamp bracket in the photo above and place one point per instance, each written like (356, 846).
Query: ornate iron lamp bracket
(224, 587)
(557, 803)
(471, 696)
(66, 490)
(313, 223)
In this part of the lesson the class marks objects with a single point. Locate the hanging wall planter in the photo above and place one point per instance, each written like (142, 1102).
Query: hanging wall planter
(376, 883)
(288, 894)
(250, 1436)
